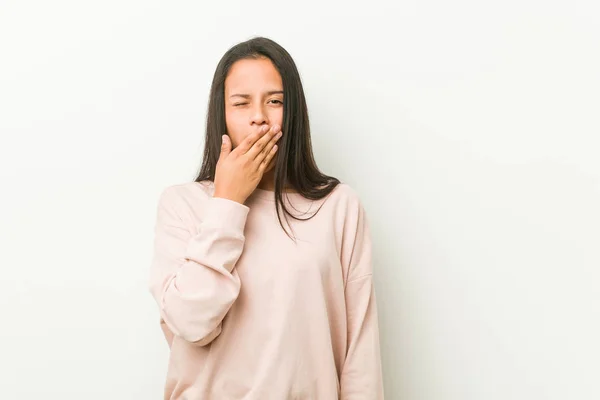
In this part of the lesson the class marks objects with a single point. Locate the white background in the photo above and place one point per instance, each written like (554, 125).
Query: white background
(470, 130)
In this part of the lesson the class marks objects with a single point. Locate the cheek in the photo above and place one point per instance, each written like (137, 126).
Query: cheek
(276, 117)
(236, 129)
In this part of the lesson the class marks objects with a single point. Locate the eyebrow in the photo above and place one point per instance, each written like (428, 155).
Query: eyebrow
(247, 96)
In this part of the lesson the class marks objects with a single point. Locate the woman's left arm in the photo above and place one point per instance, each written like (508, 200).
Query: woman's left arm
(361, 377)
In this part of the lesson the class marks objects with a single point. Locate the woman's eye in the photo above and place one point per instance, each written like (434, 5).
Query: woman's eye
(243, 104)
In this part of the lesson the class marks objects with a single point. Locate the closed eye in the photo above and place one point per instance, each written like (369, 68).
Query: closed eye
(243, 104)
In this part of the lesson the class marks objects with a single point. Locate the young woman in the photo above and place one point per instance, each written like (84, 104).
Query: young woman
(262, 266)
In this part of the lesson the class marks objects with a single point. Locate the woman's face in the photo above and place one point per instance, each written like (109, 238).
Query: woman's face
(253, 98)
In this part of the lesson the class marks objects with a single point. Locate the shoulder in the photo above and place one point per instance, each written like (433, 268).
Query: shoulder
(345, 191)
(346, 197)
(345, 204)
(181, 196)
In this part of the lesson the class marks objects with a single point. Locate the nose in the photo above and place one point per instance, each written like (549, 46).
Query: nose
(259, 116)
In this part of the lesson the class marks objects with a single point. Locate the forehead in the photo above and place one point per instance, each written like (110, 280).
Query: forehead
(253, 75)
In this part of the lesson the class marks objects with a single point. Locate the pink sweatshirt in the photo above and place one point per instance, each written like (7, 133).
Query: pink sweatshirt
(249, 314)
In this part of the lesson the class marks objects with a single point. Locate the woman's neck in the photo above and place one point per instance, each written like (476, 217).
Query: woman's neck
(268, 182)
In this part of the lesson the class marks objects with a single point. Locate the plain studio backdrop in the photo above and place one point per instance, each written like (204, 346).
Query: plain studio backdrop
(470, 130)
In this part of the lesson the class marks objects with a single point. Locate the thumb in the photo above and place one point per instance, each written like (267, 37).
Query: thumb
(225, 146)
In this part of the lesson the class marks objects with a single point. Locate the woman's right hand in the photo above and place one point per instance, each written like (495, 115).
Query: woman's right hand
(239, 171)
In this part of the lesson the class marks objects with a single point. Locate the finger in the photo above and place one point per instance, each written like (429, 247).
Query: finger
(265, 163)
(260, 144)
(266, 150)
(225, 146)
(249, 141)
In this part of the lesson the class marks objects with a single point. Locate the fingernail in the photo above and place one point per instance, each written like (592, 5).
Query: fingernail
(276, 128)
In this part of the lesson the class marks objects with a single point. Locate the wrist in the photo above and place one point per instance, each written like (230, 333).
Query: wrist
(228, 196)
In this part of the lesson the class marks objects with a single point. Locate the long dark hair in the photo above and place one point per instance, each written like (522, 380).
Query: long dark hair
(295, 165)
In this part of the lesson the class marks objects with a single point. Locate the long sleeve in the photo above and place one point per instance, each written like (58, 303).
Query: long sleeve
(192, 276)
(361, 377)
